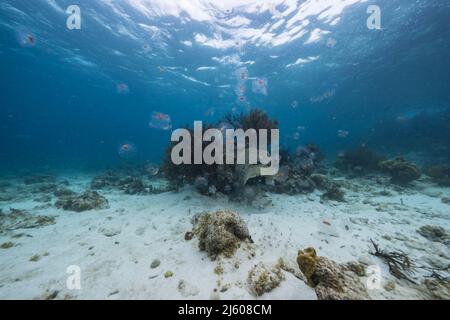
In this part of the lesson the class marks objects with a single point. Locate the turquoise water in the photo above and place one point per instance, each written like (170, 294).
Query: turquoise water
(70, 98)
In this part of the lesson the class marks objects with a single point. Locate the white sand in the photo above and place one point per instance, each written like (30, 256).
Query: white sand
(153, 227)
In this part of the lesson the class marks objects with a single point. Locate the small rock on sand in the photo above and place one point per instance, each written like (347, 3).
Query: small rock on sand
(168, 274)
(110, 231)
(155, 263)
(186, 289)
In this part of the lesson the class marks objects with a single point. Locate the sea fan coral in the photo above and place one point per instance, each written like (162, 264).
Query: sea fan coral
(225, 178)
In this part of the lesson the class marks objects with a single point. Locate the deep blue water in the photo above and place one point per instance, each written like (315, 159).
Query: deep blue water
(60, 107)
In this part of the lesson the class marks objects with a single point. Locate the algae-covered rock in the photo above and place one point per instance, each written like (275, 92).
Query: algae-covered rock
(332, 189)
(440, 174)
(87, 201)
(401, 171)
(437, 289)
(434, 233)
(20, 219)
(187, 289)
(63, 192)
(262, 278)
(132, 185)
(220, 232)
(332, 281)
(335, 193)
(7, 245)
(320, 180)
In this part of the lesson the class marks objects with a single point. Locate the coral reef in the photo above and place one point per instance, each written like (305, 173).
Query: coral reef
(132, 185)
(440, 174)
(332, 189)
(332, 281)
(89, 200)
(307, 261)
(20, 219)
(133, 180)
(435, 234)
(106, 180)
(294, 175)
(243, 182)
(401, 171)
(360, 161)
(225, 178)
(256, 119)
(220, 233)
(202, 185)
(262, 278)
(335, 193)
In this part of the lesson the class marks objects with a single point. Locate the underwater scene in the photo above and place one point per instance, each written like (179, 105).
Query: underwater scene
(225, 150)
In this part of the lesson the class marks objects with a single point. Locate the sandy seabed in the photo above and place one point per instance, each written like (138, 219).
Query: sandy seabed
(116, 247)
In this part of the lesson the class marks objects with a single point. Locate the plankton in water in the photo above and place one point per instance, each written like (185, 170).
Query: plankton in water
(160, 121)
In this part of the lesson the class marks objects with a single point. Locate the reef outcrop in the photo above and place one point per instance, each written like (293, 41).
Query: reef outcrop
(434, 234)
(89, 200)
(296, 170)
(20, 219)
(132, 180)
(437, 289)
(440, 174)
(220, 233)
(332, 281)
(359, 161)
(263, 278)
(401, 171)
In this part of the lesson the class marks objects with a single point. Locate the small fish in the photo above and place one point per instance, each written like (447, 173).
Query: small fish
(326, 222)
